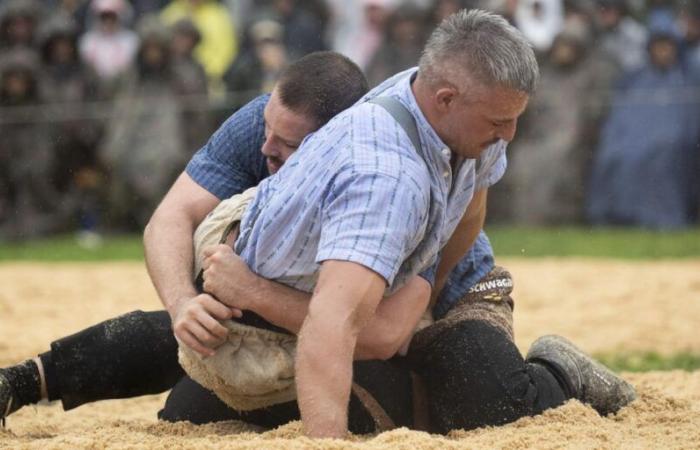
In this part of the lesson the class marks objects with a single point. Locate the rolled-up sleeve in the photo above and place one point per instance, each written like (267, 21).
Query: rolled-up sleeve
(372, 219)
(429, 274)
(231, 162)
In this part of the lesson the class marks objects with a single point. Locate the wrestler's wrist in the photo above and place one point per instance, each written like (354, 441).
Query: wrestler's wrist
(256, 299)
(174, 306)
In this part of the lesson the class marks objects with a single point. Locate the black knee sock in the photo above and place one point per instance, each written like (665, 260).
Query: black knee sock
(53, 390)
(25, 381)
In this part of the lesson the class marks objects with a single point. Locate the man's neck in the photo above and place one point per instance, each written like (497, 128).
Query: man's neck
(423, 95)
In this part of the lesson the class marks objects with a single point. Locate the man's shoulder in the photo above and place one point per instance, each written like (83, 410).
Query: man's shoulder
(385, 86)
(390, 169)
(253, 108)
(231, 160)
(375, 121)
(372, 142)
(246, 123)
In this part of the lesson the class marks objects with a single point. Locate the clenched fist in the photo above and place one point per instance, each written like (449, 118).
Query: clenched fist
(228, 278)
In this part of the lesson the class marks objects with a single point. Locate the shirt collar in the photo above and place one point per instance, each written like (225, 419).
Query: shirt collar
(431, 142)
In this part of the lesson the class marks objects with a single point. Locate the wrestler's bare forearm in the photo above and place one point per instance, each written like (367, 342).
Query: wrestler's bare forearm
(462, 239)
(394, 321)
(391, 326)
(169, 258)
(167, 240)
(343, 302)
(228, 278)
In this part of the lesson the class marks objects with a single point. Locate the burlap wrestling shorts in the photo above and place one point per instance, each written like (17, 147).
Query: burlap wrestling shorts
(254, 367)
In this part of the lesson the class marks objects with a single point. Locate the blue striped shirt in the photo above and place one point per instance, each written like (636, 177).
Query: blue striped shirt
(357, 190)
(231, 161)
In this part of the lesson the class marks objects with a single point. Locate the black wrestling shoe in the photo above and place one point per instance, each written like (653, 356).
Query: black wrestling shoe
(591, 382)
(8, 403)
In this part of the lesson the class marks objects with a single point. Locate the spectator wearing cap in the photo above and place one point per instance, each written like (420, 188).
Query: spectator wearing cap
(218, 45)
(109, 47)
(621, 35)
(645, 170)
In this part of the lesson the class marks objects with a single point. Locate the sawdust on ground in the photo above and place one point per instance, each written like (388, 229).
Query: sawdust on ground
(603, 306)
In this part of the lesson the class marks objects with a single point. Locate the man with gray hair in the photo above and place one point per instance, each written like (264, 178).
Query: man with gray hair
(368, 203)
(365, 208)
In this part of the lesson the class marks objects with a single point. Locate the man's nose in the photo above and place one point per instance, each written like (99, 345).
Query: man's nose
(507, 131)
(269, 148)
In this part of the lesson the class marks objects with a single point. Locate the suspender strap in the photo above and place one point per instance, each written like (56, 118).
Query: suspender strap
(404, 118)
(401, 115)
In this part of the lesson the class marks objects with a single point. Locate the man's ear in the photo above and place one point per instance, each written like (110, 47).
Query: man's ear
(445, 98)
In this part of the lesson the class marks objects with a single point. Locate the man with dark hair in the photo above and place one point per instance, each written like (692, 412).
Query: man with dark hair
(214, 173)
(136, 354)
(296, 92)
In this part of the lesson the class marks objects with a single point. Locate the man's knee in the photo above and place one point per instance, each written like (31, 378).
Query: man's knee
(157, 326)
(188, 401)
(150, 331)
(134, 328)
(489, 301)
(133, 354)
(145, 321)
(475, 376)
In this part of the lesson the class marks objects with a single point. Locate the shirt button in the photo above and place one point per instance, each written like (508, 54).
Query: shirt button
(446, 151)
(446, 174)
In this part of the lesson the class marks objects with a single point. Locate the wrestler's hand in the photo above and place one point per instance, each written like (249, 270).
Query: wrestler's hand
(196, 323)
(228, 278)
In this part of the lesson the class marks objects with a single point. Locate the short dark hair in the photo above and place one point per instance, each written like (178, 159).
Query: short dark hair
(321, 84)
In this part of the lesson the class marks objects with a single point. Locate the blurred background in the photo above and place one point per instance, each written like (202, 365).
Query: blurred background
(102, 103)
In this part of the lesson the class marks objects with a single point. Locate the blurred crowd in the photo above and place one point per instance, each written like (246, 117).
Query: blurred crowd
(102, 102)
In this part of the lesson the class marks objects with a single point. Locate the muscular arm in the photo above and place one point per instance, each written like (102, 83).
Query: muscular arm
(344, 300)
(228, 278)
(462, 239)
(168, 247)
